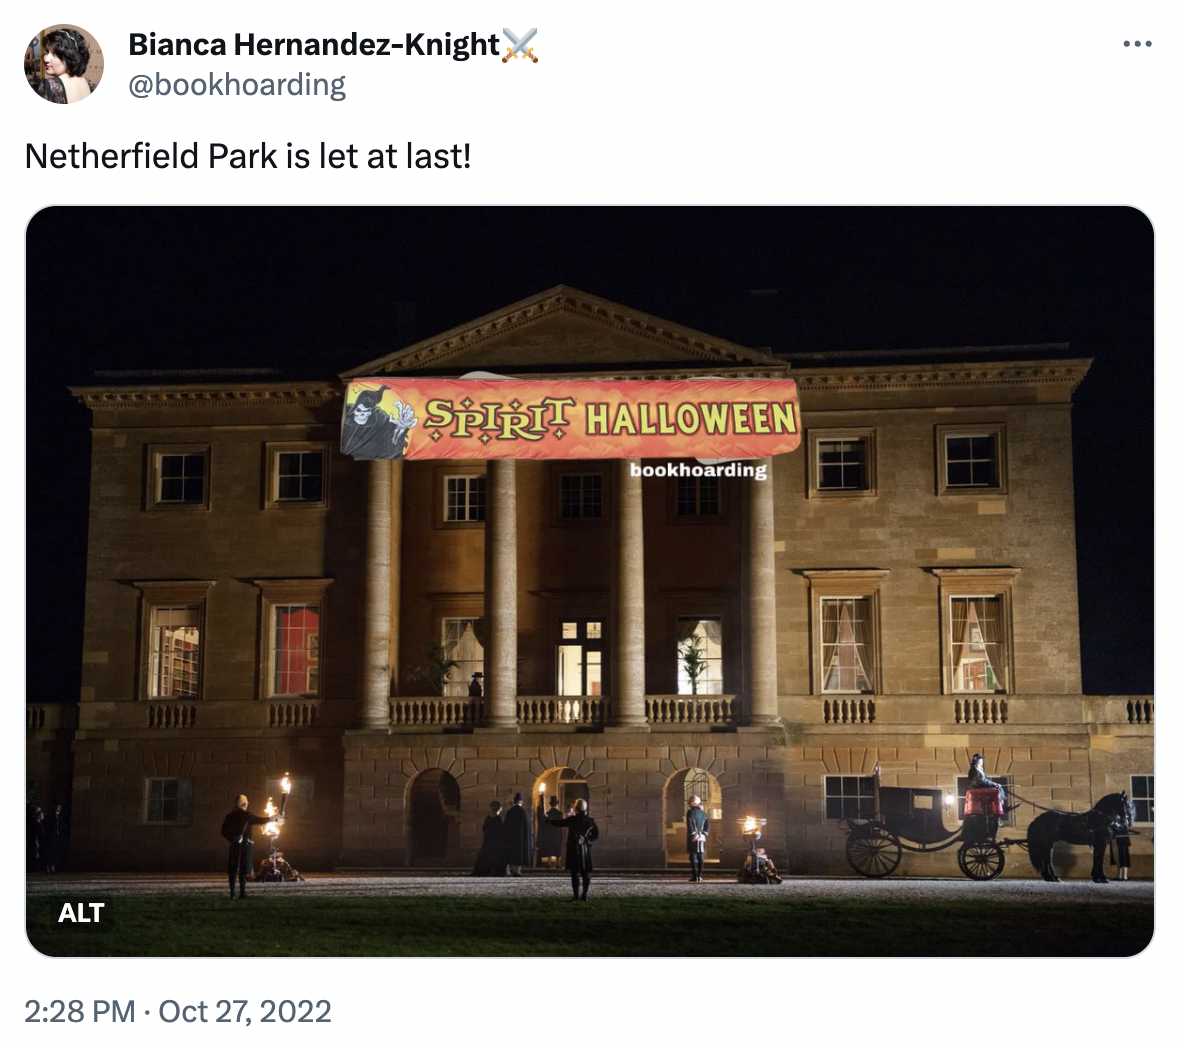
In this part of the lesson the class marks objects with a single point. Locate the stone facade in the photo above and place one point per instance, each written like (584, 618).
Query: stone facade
(374, 554)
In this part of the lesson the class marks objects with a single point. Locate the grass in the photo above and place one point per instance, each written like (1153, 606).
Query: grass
(772, 924)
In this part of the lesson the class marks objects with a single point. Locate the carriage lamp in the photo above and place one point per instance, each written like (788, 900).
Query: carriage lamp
(948, 800)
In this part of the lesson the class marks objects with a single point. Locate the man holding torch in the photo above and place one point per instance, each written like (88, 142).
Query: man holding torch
(238, 830)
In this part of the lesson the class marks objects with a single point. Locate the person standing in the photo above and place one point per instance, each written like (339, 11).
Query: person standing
(518, 836)
(36, 842)
(1122, 844)
(475, 687)
(56, 835)
(490, 860)
(583, 832)
(548, 835)
(237, 828)
(697, 825)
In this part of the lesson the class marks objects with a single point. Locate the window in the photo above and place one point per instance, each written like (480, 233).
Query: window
(1003, 780)
(698, 496)
(465, 498)
(846, 646)
(848, 797)
(178, 476)
(169, 801)
(175, 651)
(580, 657)
(172, 625)
(295, 649)
(297, 474)
(1143, 797)
(971, 459)
(977, 629)
(580, 496)
(699, 669)
(846, 630)
(293, 626)
(462, 645)
(841, 463)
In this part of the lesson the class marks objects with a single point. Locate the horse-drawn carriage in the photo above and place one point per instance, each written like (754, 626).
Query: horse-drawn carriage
(910, 819)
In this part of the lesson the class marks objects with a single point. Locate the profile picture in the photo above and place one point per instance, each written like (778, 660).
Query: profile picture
(63, 64)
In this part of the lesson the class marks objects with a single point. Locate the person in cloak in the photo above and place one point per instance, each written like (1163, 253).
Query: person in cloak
(370, 432)
(475, 687)
(518, 836)
(697, 825)
(548, 835)
(977, 778)
(57, 832)
(238, 829)
(490, 860)
(583, 832)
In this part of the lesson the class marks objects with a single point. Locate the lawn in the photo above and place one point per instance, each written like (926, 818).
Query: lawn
(772, 924)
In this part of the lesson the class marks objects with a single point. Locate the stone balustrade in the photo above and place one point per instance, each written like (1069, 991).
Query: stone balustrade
(436, 712)
(589, 710)
(708, 710)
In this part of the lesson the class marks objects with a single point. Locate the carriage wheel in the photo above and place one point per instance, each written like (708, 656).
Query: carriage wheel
(982, 860)
(873, 851)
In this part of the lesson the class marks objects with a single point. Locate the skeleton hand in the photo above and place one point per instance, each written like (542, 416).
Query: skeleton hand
(403, 421)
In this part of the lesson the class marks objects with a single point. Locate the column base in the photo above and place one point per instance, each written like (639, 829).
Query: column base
(506, 724)
(372, 724)
(629, 725)
(757, 723)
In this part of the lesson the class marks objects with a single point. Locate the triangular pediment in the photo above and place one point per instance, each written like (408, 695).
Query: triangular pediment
(564, 330)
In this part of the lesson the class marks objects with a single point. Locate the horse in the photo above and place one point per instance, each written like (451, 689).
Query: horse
(1112, 815)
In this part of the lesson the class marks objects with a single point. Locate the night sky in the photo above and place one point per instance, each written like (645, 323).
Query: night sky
(312, 292)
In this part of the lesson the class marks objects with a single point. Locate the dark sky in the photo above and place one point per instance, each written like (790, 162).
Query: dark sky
(316, 291)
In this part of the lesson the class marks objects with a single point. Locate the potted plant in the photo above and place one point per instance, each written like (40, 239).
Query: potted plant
(692, 658)
(436, 668)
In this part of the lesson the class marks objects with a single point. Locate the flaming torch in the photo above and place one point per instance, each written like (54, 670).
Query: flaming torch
(271, 829)
(285, 786)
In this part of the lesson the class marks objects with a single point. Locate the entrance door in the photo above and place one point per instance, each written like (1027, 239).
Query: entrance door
(580, 657)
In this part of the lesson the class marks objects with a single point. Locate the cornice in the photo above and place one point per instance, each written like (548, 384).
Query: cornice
(310, 394)
(437, 350)
(876, 379)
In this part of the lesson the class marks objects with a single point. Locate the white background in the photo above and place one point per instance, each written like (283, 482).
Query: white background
(1007, 103)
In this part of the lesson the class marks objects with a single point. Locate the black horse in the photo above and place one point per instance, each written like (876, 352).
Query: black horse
(1112, 815)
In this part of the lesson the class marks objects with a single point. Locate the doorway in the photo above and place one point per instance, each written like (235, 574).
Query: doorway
(580, 657)
(679, 787)
(433, 818)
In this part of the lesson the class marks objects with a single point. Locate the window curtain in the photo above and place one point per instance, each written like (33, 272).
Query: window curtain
(959, 610)
(712, 630)
(685, 628)
(863, 636)
(987, 614)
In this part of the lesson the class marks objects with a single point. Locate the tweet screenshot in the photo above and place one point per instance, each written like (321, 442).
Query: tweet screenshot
(568, 518)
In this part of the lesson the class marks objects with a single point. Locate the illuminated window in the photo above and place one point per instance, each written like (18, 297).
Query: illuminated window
(462, 645)
(846, 647)
(175, 651)
(977, 629)
(1143, 797)
(699, 667)
(293, 630)
(580, 657)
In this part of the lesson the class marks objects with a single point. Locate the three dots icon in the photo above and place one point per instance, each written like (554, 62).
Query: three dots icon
(1138, 43)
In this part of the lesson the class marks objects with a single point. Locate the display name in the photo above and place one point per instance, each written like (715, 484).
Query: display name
(458, 47)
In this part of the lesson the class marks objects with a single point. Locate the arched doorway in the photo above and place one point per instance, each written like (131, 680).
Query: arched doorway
(680, 786)
(567, 786)
(433, 819)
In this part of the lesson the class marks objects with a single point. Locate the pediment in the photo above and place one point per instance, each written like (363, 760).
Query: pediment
(565, 330)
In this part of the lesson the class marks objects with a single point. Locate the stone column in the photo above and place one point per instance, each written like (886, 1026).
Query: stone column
(500, 595)
(628, 649)
(375, 679)
(760, 626)
(397, 478)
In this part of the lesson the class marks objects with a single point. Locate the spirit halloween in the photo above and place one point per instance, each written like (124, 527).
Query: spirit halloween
(464, 418)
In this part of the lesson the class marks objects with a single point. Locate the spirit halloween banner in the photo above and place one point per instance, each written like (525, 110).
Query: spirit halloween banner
(423, 418)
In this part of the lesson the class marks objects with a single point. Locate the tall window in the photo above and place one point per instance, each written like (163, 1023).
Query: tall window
(971, 459)
(295, 649)
(466, 498)
(169, 800)
(462, 646)
(698, 656)
(846, 652)
(1143, 797)
(580, 657)
(698, 496)
(848, 797)
(178, 475)
(580, 496)
(978, 651)
(175, 652)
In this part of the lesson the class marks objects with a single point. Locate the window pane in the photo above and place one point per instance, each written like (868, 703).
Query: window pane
(978, 648)
(171, 466)
(841, 464)
(698, 653)
(295, 652)
(463, 647)
(845, 644)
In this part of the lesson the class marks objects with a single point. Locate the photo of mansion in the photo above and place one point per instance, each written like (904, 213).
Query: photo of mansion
(899, 593)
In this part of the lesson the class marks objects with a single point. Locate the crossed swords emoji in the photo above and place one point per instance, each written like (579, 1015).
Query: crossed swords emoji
(519, 45)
